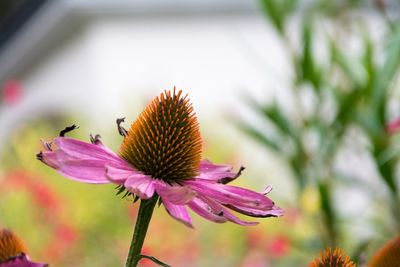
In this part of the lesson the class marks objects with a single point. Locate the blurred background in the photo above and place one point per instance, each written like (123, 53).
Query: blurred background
(304, 94)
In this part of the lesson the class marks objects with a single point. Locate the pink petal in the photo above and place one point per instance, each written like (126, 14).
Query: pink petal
(274, 211)
(175, 194)
(213, 211)
(214, 172)
(217, 208)
(205, 211)
(267, 190)
(49, 158)
(87, 171)
(82, 150)
(119, 175)
(178, 212)
(231, 195)
(141, 185)
(81, 161)
(236, 220)
(22, 261)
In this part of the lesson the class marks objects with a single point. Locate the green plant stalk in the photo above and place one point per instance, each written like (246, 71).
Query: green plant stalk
(142, 224)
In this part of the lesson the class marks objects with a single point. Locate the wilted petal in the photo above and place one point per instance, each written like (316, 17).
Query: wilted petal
(267, 190)
(178, 212)
(214, 172)
(175, 194)
(119, 174)
(205, 211)
(214, 211)
(87, 171)
(236, 220)
(141, 185)
(231, 195)
(274, 211)
(49, 158)
(21, 261)
(82, 150)
(81, 161)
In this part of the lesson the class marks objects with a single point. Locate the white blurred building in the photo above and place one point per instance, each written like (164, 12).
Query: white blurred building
(104, 58)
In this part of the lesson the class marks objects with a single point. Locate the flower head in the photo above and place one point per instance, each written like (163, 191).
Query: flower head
(164, 142)
(161, 155)
(13, 252)
(332, 258)
(388, 255)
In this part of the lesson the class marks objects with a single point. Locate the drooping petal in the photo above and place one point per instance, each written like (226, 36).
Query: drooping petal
(49, 158)
(205, 211)
(81, 161)
(176, 194)
(87, 171)
(21, 261)
(234, 219)
(214, 172)
(82, 150)
(275, 211)
(118, 175)
(178, 212)
(214, 211)
(231, 195)
(141, 185)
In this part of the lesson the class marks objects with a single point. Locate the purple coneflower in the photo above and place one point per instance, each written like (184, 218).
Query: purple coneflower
(13, 252)
(160, 160)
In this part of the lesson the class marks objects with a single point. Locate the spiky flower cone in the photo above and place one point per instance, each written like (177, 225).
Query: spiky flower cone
(10, 245)
(332, 258)
(164, 142)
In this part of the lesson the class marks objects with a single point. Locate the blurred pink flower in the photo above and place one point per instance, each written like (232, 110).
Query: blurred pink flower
(43, 196)
(160, 155)
(393, 126)
(63, 238)
(279, 246)
(12, 92)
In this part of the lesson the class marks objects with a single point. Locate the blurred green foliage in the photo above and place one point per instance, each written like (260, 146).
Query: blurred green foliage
(349, 89)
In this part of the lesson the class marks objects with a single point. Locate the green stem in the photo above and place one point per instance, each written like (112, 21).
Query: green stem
(142, 224)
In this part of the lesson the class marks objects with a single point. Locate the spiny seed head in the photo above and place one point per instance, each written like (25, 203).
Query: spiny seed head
(333, 258)
(10, 245)
(388, 255)
(164, 141)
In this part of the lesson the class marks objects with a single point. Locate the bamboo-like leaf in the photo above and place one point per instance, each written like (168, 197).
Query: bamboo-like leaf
(308, 66)
(277, 12)
(386, 74)
(273, 113)
(260, 137)
(327, 209)
(347, 65)
(277, 116)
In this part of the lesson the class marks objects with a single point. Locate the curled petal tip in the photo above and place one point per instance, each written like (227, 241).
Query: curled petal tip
(267, 190)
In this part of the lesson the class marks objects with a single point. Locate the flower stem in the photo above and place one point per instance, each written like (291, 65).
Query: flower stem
(142, 223)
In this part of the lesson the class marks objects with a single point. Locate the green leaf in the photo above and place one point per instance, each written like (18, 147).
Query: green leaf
(277, 116)
(277, 12)
(260, 137)
(386, 74)
(346, 65)
(347, 106)
(328, 211)
(308, 66)
(358, 255)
